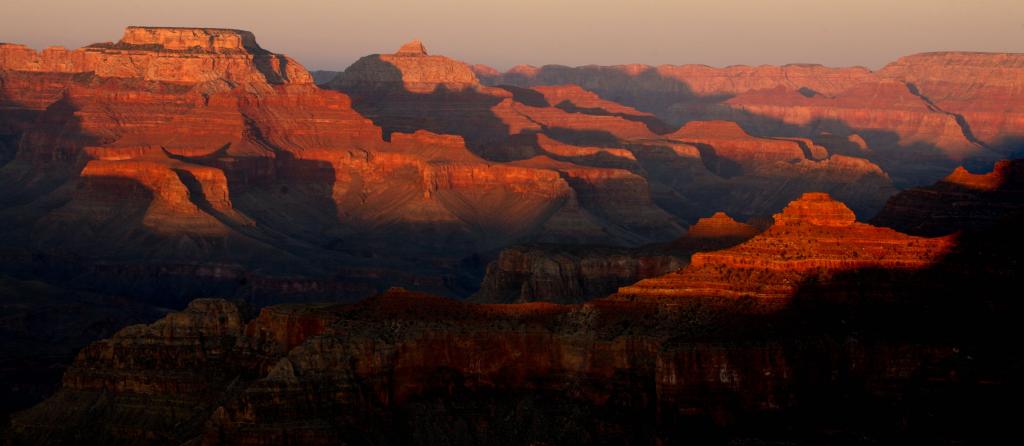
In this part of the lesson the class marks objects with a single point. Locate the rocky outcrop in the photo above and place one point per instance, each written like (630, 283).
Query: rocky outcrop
(569, 274)
(760, 174)
(43, 327)
(961, 201)
(410, 68)
(813, 238)
(410, 90)
(179, 55)
(574, 274)
(435, 370)
(981, 90)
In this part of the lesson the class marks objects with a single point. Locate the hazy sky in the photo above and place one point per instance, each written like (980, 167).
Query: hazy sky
(333, 34)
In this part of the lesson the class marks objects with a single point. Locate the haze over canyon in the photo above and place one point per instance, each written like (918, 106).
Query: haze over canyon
(203, 242)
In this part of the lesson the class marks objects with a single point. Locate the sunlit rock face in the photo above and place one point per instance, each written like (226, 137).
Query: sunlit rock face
(961, 201)
(920, 116)
(208, 154)
(411, 68)
(813, 237)
(573, 274)
(982, 89)
(180, 55)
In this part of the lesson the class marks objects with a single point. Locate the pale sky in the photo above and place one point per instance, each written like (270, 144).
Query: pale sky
(333, 34)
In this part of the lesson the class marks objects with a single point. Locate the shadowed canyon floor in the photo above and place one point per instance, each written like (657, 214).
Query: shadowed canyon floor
(741, 255)
(853, 353)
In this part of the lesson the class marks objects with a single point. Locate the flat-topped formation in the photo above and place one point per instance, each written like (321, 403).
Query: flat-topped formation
(175, 55)
(214, 40)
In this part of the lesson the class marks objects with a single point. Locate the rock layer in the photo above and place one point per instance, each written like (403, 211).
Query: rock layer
(920, 115)
(961, 201)
(813, 238)
(574, 274)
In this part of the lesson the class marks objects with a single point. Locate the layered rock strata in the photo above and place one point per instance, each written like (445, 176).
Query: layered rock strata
(812, 239)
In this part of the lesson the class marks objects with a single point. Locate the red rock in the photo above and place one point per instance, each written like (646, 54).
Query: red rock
(882, 106)
(411, 68)
(963, 201)
(812, 238)
(731, 142)
(308, 372)
(589, 156)
(942, 106)
(180, 55)
(572, 274)
(720, 225)
(982, 88)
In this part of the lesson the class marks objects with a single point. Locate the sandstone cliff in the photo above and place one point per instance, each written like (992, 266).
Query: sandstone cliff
(574, 274)
(813, 238)
(961, 201)
(945, 107)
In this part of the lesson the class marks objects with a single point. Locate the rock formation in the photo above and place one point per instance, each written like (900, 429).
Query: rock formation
(813, 238)
(410, 68)
(981, 90)
(920, 115)
(411, 368)
(574, 274)
(179, 55)
(186, 162)
(569, 123)
(201, 159)
(961, 201)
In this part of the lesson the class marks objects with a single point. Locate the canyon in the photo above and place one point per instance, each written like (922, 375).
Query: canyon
(205, 243)
(408, 367)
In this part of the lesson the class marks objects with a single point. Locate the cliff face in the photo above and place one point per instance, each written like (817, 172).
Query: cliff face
(759, 175)
(813, 238)
(200, 158)
(43, 327)
(410, 68)
(574, 274)
(982, 90)
(694, 171)
(943, 107)
(820, 325)
(961, 201)
(179, 55)
(435, 371)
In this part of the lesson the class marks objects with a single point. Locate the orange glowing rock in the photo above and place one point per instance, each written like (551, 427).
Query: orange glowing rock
(815, 236)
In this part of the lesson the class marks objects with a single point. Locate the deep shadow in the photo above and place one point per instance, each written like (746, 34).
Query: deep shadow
(653, 124)
(947, 207)
(909, 164)
(264, 61)
(391, 106)
(647, 91)
(527, 96)
(722, 167)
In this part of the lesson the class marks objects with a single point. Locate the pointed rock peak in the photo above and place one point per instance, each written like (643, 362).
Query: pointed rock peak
(720, 225)
(413, 48)
(816, 208)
